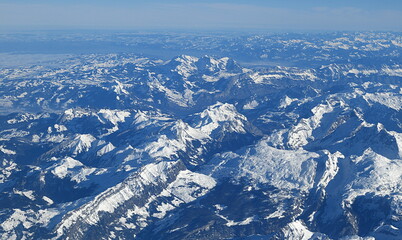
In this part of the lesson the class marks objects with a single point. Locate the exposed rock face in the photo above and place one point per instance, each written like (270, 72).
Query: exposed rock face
(107, 147)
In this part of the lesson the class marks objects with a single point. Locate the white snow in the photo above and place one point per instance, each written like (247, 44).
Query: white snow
(214, 116)
(79, 144)
(119, 88)
(181, 98)
(60, 128)
(164, 147)
(285, 102)
(376, 174)
(396, 72)
(186, 187)
(28, 194)
(188, 184)
(28, 218)
(388, 99)
(250, 105)
(264, 78)
(105, 149)
(186, 66)
(246, 221)
(72, 168)
(48, 200)
(283, 169)
(7, 151)
(168, 147)
(331, 168)
(300, 134)
(6, 169)
(71, 113)
(297, 230)
(114, 116)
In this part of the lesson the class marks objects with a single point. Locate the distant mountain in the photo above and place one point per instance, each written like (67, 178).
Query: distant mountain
(113, 146)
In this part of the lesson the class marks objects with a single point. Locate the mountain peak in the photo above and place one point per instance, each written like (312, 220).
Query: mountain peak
(220, 114)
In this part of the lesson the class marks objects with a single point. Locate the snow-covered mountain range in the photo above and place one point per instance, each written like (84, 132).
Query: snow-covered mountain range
(120, 146)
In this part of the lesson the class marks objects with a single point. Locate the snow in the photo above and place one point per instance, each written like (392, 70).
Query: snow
(164, 147)
(26, 117)
(114, 116)
(6, 170)
(365, 72)
(7, 151)
(263, 164)
(115, 196)
(300, 134)
(12, 133)
(285, 102)
(141, 183)
(388, 99)
(396, 43)
(306, 75)
(374, 174)
(297, 230)
(181, 98)
(17, 218)
(60, 128)
(69, 167)
(186, 65)
(144, 119)
(55, 138)
(119, 88)
(79, 144)
(331, 168)
(185, 133)
(28, 218)
(150, 173)
(250, 105)
(215, 115)
(355, 237)
(398, 138)
(105, 149)
(208, 78)
(28, 194)
(265, 78)
(186, 187)
(396, 72)
(48, 200)
(163, 209)
(71, 113)
(168, 147)
(277, 214)
(61, 169)
(246, 221)
(335, 44)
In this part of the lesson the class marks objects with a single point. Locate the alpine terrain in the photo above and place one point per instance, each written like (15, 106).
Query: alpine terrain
(191, 136)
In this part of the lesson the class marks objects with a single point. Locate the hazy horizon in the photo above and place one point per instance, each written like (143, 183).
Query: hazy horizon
(257, 15)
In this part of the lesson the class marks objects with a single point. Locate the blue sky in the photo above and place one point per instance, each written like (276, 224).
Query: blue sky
(205, 14)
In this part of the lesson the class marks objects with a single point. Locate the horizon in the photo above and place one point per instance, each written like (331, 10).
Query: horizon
(200, 31)
(239, 15)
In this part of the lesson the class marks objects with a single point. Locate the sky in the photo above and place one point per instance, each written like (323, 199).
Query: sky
(303, 15)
